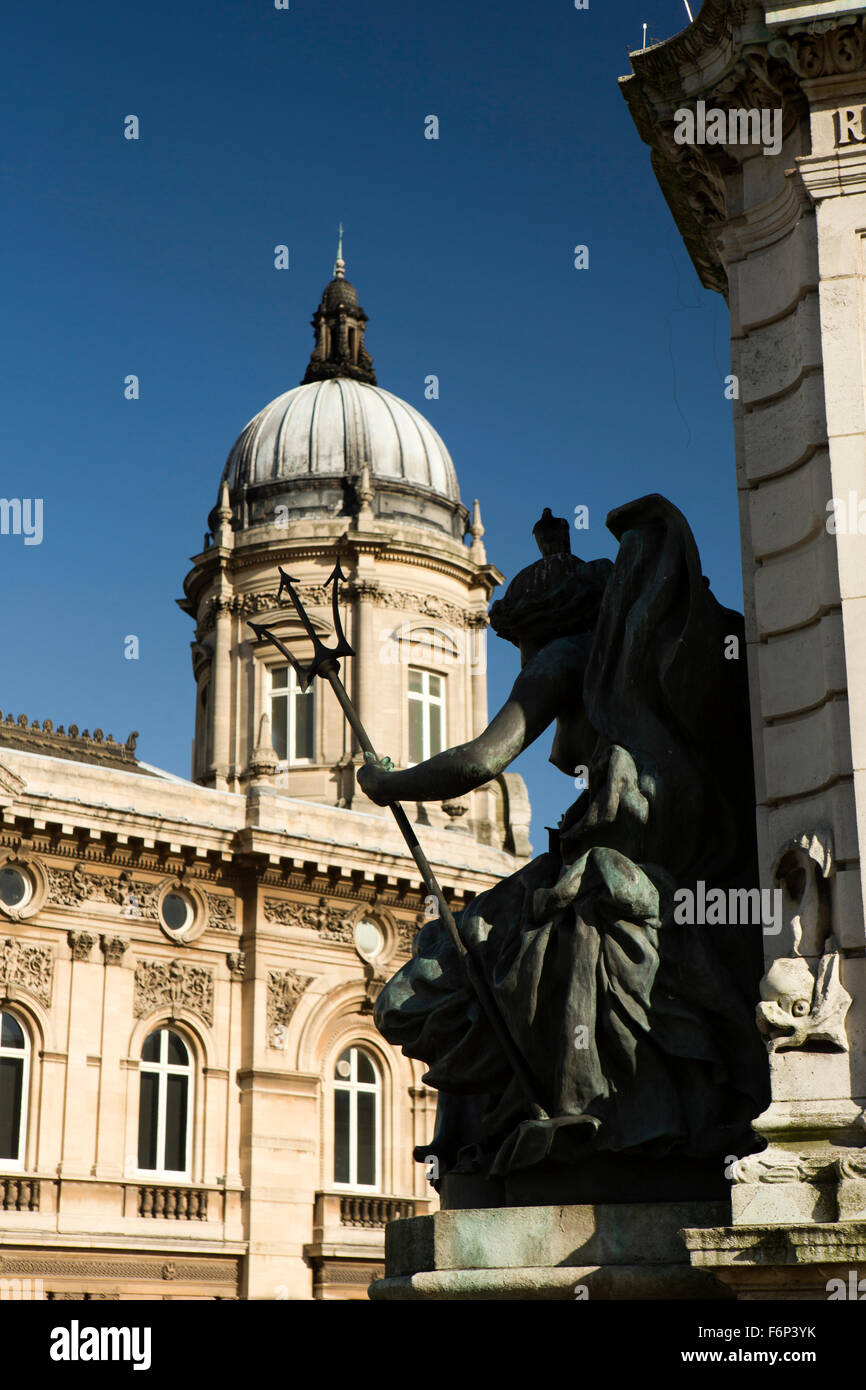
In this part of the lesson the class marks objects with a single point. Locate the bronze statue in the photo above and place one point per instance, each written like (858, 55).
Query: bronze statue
(638, 1031)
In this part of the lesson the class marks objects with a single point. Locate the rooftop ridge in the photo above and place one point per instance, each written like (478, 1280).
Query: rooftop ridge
(19, 732)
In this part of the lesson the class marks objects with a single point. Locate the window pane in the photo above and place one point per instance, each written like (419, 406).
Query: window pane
(279, 721)
(367, 1138)
(175, 911)
(435, 730)
(343, 1069)
(416, 743)
(279, 677)
(415, 680)
(150, 1051)
(304, 706)
(366, 1071)
(147, 1117)
(177, 1053)
(11, 1034)
(11, 1083)
(435, 685)
(341, 1136)
(175, 1123)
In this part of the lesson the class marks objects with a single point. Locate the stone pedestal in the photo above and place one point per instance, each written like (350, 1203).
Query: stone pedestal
(623, 1250)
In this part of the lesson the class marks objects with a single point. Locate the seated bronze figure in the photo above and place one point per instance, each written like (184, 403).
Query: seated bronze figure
(639, 1032)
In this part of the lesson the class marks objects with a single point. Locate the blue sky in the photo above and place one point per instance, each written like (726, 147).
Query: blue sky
(558, 387)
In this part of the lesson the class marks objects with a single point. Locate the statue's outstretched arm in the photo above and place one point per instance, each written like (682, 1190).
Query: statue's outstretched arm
(544, 687)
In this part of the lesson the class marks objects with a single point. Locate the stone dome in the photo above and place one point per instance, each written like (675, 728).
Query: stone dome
(338, 292)
(330, 429)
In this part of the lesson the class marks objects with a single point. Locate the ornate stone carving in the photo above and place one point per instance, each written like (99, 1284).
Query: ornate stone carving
(824, 51)
(330, 922)
(27, 967)
(72, 887)
(374, 980)
(803, 1002)
(319, 596)
(220, 912)
(159, 982)
(81, 943)
(237, 964)
(113, 948)
(799, 1009)
(285, 988)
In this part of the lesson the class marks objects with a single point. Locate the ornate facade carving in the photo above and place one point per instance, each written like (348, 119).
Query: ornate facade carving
(159, 982)
(220, 912)
(803, 1002)
(285, 988)
(113, 948)
(237, 964)
(81, 943)
(330, 922)
(30, 968)
(825, 49)
(319, 595)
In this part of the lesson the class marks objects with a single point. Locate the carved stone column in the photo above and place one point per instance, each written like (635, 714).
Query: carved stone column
(777, 226)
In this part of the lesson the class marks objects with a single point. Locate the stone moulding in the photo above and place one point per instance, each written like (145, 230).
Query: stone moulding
(158, 983)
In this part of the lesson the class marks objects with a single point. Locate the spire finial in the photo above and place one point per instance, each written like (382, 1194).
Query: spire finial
(339, 263)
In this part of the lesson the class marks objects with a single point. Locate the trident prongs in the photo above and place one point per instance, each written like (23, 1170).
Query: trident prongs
(323, 657)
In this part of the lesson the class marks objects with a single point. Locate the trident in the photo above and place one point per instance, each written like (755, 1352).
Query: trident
(326, 662)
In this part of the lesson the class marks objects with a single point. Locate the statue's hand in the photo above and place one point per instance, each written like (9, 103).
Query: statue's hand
(373, 778)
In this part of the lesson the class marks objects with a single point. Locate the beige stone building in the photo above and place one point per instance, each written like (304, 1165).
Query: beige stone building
(194, 1102)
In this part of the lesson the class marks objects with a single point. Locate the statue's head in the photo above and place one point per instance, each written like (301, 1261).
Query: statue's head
(558, 596)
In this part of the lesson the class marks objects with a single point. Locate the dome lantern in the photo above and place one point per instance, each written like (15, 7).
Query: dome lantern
(340, 324)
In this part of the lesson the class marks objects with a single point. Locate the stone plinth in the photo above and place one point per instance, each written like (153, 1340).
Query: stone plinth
(622, 1250)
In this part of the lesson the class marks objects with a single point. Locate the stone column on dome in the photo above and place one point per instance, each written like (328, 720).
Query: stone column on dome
(221, 685)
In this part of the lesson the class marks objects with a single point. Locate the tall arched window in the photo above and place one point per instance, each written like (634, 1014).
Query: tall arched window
(164, 1104)
(14, 1082)
(357, 1110)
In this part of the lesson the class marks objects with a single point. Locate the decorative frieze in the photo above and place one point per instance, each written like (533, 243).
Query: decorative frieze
(220, 912)
(285, 988)
(26, 967)
(158, 983)
(331, 923)
(319, 595)
(135, 897)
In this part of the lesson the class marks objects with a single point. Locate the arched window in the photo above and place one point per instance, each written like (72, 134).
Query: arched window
(164, 1104)
(357, 1107)
(14, 1082)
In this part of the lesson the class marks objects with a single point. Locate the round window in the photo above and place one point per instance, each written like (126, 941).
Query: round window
(369, 939)
(177, 912)
(16, 887)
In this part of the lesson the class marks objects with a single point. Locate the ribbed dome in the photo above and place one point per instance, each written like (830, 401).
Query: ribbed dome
(339, 291)
(329, 428)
